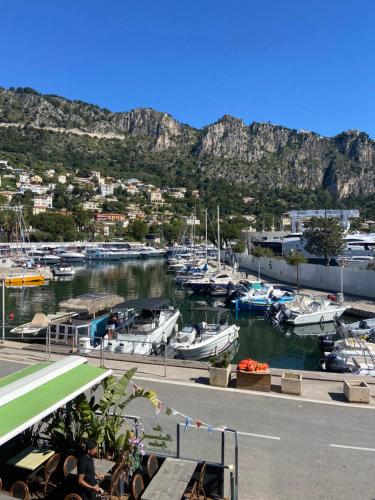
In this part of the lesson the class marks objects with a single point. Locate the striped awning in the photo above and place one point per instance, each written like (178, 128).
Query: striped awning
(35, 392)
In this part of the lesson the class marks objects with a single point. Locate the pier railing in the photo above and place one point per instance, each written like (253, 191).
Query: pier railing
(105, 349)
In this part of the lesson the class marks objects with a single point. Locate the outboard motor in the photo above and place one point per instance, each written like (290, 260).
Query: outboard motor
(336, 363)
(273, 310)
(232, 296)
(326, 343)
(371, 336)
(283, 314)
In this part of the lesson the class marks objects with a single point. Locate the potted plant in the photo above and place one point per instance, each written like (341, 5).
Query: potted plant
(220, 370)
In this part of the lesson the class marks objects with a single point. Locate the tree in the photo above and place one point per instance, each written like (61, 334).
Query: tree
(138, 229)
(8, 225)
(60, 227)
(324, 237)
(171, 232)
(295, 259)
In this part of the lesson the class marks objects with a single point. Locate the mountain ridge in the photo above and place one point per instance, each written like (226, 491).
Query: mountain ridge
(259, 153)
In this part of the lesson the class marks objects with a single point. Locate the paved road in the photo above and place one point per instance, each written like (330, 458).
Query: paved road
(7, 367)
(294, 456)
(289, 448)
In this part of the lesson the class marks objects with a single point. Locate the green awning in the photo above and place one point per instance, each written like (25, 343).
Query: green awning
(37, 401)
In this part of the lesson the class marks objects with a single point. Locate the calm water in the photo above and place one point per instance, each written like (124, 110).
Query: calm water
(134, 279)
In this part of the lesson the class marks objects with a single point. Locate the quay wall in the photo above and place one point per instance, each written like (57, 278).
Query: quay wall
(360, 282)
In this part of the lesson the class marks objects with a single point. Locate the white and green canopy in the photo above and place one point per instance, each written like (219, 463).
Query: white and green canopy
(31, 394)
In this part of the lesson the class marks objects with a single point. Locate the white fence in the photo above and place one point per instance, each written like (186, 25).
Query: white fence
(355, 281)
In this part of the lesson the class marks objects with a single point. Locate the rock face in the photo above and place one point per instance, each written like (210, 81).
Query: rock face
(261, 153)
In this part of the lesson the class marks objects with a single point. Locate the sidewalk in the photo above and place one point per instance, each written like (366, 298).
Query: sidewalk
(317, 386)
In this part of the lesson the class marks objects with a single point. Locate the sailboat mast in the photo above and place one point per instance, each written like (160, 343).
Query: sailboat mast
(218, 237)
(205, 217)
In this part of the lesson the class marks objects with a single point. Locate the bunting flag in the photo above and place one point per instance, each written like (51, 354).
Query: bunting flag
(157, 409)
(188, 421)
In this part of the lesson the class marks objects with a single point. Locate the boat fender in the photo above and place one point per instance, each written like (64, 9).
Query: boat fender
(332, 297)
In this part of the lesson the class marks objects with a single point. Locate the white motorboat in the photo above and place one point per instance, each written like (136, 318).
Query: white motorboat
(38, 326)
(153, 324)
(63, 270)
(71, 256)
(102, 254)
(309, 309)
(210, 284)
(45, 258)
(201, 341)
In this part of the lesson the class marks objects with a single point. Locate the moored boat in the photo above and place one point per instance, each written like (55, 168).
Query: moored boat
(202, 341)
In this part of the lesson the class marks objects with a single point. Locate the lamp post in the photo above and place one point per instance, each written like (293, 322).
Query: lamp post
(341, 261)
(3, 312)
(258, 268)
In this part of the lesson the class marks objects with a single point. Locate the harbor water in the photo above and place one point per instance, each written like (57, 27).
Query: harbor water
(282, 348)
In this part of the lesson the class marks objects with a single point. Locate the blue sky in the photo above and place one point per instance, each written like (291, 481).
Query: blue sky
(302, 64)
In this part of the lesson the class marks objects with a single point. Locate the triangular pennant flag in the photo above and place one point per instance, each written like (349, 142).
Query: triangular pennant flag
(198, 423)
(168, 411)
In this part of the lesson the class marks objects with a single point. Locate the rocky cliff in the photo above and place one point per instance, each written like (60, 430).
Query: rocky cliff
(259, 154)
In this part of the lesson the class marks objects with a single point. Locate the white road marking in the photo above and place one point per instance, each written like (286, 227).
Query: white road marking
(263, 436)
(16, 360)
(351, 447)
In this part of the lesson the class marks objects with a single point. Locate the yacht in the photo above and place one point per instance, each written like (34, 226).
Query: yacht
(70, 255)
(102, 254)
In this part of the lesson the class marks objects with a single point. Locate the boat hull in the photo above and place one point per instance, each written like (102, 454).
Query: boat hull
(316, 317)
(206, 350)
(21, 280)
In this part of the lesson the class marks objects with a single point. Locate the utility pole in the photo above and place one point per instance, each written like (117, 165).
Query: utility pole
(205, 217)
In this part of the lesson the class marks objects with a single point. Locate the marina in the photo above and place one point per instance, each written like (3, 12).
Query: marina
(282, 347)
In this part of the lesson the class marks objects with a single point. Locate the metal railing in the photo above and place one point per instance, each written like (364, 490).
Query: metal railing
(98, 346)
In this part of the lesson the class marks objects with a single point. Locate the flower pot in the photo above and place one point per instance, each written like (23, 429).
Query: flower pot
(254, 381)
(291, 383)
(219, 377)
(356, 391)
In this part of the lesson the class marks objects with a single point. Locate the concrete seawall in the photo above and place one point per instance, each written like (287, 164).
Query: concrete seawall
(355, 281)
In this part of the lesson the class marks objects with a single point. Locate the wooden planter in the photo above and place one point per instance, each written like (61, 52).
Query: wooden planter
(219, 377)
(356, 391)
(254, 381)
(291, 383)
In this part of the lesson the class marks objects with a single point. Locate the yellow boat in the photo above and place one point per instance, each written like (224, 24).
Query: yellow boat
(22, 279)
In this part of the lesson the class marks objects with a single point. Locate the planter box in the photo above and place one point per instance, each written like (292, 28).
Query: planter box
(219, 377)
(291, 383)
(254, 381)
(356, 391)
